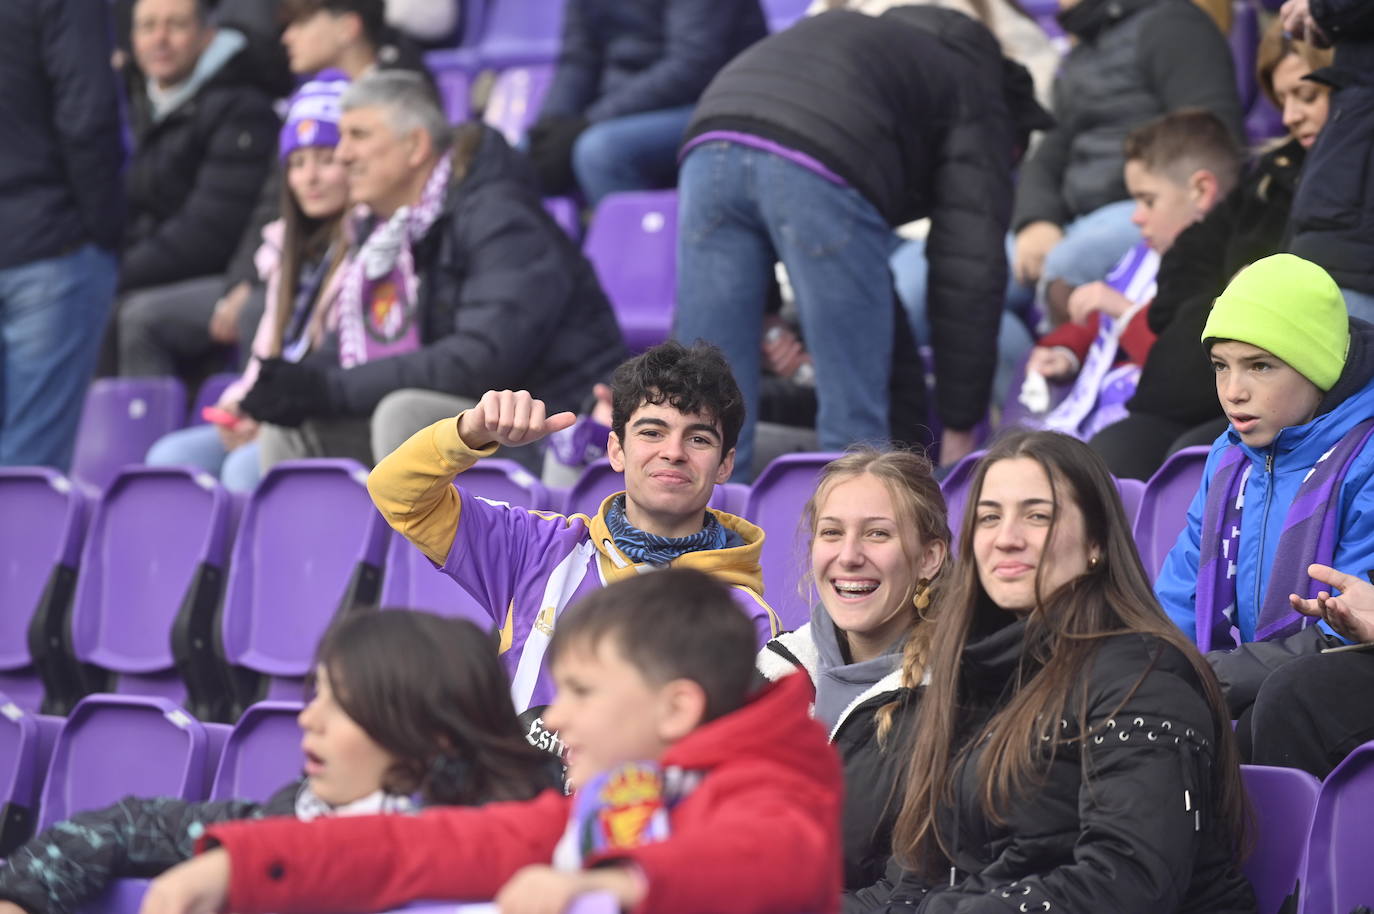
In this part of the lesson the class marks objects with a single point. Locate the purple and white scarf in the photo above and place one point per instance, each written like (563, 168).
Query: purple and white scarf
(379, 298)
(1099, 394)
(1309, 535)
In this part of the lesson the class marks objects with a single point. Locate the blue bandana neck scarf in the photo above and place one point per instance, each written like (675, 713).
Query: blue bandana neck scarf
(1309, 535)
(639, 546)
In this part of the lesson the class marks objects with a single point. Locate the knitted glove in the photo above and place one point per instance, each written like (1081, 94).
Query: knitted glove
(288, 393)
(551, 143)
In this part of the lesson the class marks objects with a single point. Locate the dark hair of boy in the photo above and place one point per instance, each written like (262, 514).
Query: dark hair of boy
(672, 624)
(371, 13)
(412, 680)
(690, 379)
(1182, 142)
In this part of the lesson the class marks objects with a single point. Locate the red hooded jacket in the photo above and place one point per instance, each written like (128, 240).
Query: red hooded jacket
(761, 833)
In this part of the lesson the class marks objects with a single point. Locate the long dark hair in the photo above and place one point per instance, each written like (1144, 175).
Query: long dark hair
(431, 692)
(303, 239)
(1113, 597)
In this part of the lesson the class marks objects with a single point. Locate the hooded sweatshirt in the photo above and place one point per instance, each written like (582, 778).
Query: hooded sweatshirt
(525, 567)
(760, 832)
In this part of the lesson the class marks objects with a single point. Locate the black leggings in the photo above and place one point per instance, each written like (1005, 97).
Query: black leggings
(1137, 446)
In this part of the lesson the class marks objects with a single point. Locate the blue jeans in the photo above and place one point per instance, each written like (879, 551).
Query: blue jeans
(635, 152)
(52, 317)
(1014, 340)
(200, 446)
(739, 210)
(1092, 245)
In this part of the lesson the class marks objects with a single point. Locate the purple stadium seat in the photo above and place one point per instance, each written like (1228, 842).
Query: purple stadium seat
(310, 546)
(209, 393)
(499, 479)
(453, 71)
(41, 528)
(121, 419)
(632, 243)
(775, 504)
(1244, 40)
(22, 763)
(516, 98)
(567, 214)
(114, 745)
(955, 488)
(154, 563)
(1164, 506)
(412, 582)
(522, 32)
(592, 903)
(262, 754)
(599, 480)
(782, 13)
(1283, 800)
(1264, 122)
(1132, 491)
(1338, 874)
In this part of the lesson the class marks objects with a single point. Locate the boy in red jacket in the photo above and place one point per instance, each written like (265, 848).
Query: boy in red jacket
(693, 793)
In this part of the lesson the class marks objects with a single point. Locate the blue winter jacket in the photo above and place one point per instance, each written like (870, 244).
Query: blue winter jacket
(624, 57)
(1278, 471)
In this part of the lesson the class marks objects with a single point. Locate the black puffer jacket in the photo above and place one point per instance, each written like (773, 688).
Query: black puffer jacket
(62, 149)
(506, 300)
(1134, 60)
(195, 175)
(1122, 824)
(1333, 215)
(872, 769)
(909, 108)
(1176, 382)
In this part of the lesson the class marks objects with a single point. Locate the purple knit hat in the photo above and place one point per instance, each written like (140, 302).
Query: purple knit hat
(312, 117)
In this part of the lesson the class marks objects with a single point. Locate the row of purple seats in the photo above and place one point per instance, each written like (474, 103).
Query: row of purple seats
(137, 609)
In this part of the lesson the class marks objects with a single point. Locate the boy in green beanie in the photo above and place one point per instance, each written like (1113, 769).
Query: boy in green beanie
(1289, 481)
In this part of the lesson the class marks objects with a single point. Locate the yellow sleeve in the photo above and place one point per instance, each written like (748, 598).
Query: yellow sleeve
(413, 486)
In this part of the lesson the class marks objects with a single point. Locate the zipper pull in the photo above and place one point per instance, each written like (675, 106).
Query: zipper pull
(1269, 461)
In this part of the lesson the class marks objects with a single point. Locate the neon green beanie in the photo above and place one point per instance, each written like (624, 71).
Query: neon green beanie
(1290, 307)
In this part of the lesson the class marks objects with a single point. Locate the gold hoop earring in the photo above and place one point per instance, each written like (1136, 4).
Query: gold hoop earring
(922, 598)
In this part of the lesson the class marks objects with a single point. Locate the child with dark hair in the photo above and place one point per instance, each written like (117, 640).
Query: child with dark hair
(693, 792)
(676, 414)
(408, 709)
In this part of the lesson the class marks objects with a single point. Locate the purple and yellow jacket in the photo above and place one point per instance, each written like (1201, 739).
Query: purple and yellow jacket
(525, 567)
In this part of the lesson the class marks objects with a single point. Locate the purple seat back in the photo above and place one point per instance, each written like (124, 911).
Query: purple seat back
(412, 582)
(262, 754)
(151, 533)
(498, 479)
(782, 13)
(955, 487)
(211, 389)
(121, 419)
(776, 504)
(114, 745)
(565, 212)
(1014, 413)
(1283, 800)
(42, 523)
(515, 100)
(310, 541)
(1338, 874)
(600, 480)
(521, 32)
(1164, 506)
(632, 242)
(1264, 122)
(453, 71)
(587, 903)
(1244, 40)
(1132, 491)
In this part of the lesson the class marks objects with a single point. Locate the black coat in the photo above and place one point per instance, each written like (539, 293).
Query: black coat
(1333, 214)
(195, 175)
(1176, 382)
(1137, 836)
(1134, 60)
(910, 109)
(621, 57)
(506, 299)
(62, 147)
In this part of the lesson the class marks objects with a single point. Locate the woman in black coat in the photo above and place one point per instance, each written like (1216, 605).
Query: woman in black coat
(1072, 750)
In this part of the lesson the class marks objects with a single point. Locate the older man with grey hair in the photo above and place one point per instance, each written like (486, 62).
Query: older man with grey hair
(458, 283)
